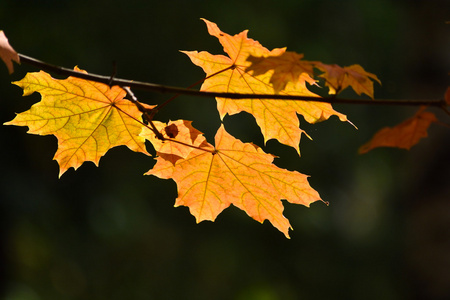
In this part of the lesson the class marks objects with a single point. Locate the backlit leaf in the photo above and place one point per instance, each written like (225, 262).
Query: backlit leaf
(7, 53)
(276, 118)
(287, 67)
(237, 173)
(87, 117)
(338, 79)
(404, 135)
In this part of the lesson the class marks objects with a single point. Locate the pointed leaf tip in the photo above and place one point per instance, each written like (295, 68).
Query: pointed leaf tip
(7, 53)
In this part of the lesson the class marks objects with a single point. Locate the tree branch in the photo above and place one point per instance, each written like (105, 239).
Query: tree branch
(111, 80)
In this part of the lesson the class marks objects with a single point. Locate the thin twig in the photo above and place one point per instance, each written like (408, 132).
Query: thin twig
(114, 72)
(152, 125)
(177, 90)
(147, 117)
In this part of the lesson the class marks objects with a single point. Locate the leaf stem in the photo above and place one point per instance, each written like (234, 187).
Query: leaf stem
(146, 116)
(148, 121)
(184, 91)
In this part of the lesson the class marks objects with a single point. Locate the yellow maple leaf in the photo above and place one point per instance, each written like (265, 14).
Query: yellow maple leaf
(233, 172)
(88, 118)
(276, 118)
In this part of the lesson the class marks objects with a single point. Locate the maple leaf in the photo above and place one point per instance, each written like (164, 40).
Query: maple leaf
(7, 53)
(179, 135)
(88, 118)
(287, 67)
(276, 118)
(337, 78)
(210, 179)
(404, 135)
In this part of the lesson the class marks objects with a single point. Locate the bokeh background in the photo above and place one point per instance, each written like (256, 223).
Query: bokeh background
(112, 233)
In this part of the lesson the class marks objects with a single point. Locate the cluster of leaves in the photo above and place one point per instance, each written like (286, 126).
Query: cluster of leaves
(89, 118)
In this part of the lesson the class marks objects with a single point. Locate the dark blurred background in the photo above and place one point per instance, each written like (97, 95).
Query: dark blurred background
(112, 233)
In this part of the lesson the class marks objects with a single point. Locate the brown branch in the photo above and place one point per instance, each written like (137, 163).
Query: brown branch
(148, 118)
(110, 80)
(160, 106)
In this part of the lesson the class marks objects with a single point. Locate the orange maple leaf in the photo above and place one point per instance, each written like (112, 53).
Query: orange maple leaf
(404, 135)
(7, 53)
(87, 117)
(179, 135)
(337, 78)
(287, 67)
(276, 118)
(210, 179)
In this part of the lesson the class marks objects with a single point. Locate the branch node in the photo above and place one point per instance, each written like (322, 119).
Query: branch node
(114, 73)
(146, 116)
